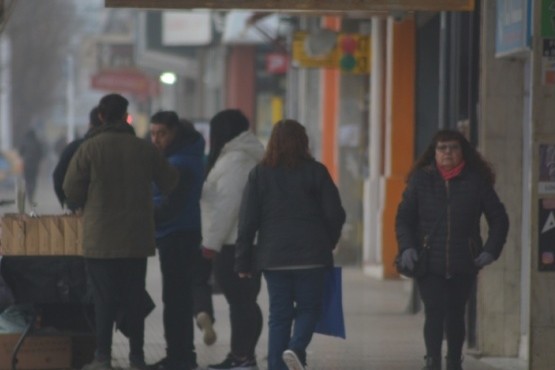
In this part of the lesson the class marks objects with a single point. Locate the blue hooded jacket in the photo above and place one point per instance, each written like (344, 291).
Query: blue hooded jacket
(181, 210)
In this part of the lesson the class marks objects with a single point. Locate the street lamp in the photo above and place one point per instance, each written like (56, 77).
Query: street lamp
(168, 78)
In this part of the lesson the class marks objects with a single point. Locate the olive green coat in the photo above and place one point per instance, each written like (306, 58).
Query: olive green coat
(111, 178)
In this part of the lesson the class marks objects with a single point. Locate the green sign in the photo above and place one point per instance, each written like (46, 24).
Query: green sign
(548, 19)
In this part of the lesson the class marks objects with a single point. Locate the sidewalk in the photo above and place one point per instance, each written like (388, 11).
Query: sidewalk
(380, 335)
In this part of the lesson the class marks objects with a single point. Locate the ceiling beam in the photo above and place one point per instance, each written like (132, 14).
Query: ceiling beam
(303, 5)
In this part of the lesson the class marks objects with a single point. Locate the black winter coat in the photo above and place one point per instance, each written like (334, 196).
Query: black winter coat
(449, 213)
(298, 216)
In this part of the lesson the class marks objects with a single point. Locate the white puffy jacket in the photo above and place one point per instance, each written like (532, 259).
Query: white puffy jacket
(223, 189)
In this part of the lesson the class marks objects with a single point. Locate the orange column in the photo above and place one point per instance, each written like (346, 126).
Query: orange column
(400, 133)
(241, 84)
(330, 108)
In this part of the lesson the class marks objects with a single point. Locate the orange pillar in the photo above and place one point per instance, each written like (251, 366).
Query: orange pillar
(330, 108)
(240, 86)
(400, 131)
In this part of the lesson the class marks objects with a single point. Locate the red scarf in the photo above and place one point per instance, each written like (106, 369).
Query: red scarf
(453, 172)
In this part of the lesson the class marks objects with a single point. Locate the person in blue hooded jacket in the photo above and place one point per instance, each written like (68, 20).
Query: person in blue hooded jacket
(178, 235)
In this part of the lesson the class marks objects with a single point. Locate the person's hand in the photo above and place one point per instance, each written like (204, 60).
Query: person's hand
(208, 253)
(483, 259)
(409, 258)
(245, 275)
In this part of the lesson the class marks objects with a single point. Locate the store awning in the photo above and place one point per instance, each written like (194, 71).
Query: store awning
(305, 5)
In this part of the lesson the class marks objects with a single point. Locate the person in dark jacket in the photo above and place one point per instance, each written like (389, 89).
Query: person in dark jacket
(293, 204)
(448, 190)
(110, 177)
(65, 157)
(178, 234)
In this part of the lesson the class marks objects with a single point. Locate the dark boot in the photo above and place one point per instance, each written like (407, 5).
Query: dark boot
(432, 363)
(454, 363)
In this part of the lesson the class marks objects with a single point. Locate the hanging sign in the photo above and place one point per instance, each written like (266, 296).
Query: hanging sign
(350, 53)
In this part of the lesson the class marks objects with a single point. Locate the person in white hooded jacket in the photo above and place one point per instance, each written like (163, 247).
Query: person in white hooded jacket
(234, 152)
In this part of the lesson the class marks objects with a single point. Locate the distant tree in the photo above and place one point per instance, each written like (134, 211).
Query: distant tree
(41, 36)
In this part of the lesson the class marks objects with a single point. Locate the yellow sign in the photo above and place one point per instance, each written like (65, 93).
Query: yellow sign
(354, 53)
(302, 59)
(351, 53)
(304, 5)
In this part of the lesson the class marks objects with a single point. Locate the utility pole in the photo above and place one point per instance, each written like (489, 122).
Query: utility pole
(70, 98)
(5, 93)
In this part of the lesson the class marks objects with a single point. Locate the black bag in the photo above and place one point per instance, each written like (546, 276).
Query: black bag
(422, 265)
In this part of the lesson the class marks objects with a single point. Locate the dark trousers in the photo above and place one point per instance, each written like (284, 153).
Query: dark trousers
(444, 303)
(244, 313)
(176, 253)
(295, 297)
(118, 284)
(202, 287)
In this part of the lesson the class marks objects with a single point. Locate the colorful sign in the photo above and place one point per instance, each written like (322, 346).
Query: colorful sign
(546, 234)
(351, 53)
(277, 63)
(513, 31)
(548, 62)
(128, 81)
(302, 59)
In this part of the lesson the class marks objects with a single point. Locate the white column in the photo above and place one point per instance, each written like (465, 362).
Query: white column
(372, 199)
(5, 94)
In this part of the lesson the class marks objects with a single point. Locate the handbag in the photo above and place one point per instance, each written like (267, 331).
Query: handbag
(423, 263)
(421, 266)
(332, 321)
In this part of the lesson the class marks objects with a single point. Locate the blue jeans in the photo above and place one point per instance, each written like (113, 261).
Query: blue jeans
(295, 295)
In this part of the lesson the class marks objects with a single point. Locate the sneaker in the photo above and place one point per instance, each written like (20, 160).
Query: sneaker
(204, 322)
(292, 360)
(233, 363)
(98, 365)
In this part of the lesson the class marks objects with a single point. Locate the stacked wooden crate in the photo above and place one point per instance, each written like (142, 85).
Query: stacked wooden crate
(24, 235)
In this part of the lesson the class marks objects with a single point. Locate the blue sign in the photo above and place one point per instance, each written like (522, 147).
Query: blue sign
(513, 34)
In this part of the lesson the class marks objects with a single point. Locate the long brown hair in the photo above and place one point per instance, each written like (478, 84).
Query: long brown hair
(471, 156)
(288, 145)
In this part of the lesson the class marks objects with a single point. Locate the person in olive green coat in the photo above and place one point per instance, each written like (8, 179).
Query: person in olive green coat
(110, 178)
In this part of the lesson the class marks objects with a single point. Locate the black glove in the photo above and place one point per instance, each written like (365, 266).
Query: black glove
(409, 258)
(483, 259)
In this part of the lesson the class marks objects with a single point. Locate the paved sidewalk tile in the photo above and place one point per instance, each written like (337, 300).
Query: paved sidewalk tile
(380, 335)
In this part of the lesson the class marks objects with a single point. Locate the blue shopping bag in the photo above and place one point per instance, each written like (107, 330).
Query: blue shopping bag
(331, 320)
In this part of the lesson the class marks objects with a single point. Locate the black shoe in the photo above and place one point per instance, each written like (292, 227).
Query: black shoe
(432, 363)
(454, 363)
(234, 363)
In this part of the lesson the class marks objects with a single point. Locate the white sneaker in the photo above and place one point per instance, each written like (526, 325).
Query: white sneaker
(204, 322)
(292, 360)
(98, 365)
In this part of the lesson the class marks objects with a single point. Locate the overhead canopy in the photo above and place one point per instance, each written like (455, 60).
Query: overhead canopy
(306, 5)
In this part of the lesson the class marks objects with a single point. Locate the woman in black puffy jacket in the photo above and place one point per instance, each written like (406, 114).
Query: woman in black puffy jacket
(293, 205)
(449, 188)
